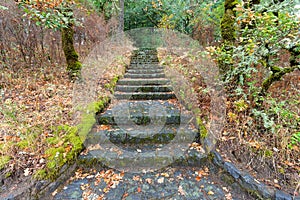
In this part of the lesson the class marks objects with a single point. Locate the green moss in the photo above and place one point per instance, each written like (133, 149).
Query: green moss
(228, 20)
(210, 156)
(74, 68)
(52, 140)
(59, 156)
(54, 152)
(112, 84)
(23, 144)
(268, 153)
(88, 118)
(202, 128)
(40, 174)
(8, 174)
(73, 64)
(3, 161)
(1, 147)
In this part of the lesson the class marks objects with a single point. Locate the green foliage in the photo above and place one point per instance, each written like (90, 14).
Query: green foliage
(295, 140)
(266, 48)
(9, 110)
(108, 7)
(52, 17)
(241, 105)
(3, 8)
(179, 15)
(262, 36)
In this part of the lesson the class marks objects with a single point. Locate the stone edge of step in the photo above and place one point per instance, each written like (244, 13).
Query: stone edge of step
(248, 182)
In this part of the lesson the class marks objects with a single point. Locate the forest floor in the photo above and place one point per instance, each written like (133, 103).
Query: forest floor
(241, 145)
(35, 102)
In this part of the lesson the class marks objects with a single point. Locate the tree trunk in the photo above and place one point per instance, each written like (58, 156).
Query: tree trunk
(121, 16)
(73, 64)
(227, 23)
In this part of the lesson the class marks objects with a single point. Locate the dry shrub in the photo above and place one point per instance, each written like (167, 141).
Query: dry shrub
(24, 44)
(205, 34)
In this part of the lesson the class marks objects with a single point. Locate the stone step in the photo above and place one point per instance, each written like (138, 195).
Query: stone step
(143, 135)
(145, 71)
(145, 95)
(140, 68)
(144, 57)
(144, 63)
(141, 82)
(144, 113)
(153, 75)
(145, 66)
(144, 88)
(174, 154)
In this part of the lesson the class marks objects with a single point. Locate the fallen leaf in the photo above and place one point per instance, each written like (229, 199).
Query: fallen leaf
(139, 189)
(27, 172)
(149, 180)
(136, 178)
(198, 178)
(161, 180)
(210, 193)
(181, 191)
(138, 150)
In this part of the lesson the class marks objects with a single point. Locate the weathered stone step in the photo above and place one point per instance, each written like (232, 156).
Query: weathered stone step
(144, 113)
(145, 58)
(141, 68)
(141, 119)
(153, 75)
(144, 88)
(134, 63)
(175, 154)
(145, 66)
(145, 71)
(145, 95)
(140, 82)
(139, 134)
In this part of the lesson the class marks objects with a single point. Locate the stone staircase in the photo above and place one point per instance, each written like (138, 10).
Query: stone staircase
(144, 80)
(140, 148)
(145, 128)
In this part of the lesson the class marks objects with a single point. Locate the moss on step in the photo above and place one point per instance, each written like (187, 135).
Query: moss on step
(60, 154)
(4, 161)
(202, 128)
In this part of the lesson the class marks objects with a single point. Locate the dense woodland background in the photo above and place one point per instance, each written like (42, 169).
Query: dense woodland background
(255, 44)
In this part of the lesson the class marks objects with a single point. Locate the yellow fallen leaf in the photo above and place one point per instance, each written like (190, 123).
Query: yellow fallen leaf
(210, 193)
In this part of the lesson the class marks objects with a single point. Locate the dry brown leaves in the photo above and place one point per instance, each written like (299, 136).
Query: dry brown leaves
(34, 101)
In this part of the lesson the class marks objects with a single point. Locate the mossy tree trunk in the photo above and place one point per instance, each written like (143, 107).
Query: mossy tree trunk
(67, 36)
(227, 23)
(73, 64)
(227, 32)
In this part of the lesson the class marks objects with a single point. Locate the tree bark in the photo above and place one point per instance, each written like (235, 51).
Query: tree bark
(73, 64)
(121, 16)
(227, 23)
